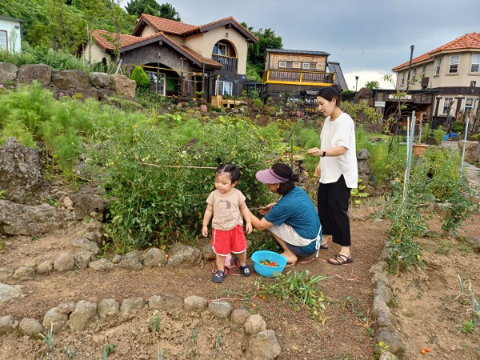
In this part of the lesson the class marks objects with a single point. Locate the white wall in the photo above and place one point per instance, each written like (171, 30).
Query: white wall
(14, 41)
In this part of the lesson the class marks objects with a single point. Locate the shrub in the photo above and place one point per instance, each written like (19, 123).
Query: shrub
(140, 77)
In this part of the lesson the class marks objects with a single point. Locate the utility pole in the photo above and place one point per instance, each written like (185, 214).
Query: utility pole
(412, 47)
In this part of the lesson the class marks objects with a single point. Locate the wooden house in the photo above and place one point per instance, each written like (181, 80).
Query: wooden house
(290, 72)
(179, 58)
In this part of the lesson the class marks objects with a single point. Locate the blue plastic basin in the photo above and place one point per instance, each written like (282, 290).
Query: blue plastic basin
(268, 271)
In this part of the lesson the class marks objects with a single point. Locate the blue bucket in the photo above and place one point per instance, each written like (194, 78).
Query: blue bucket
(268, 271)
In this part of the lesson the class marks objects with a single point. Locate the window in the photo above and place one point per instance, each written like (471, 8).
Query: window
(468, 105)
(296, 65)
(282, 64)
(447, 104)
(403, 78)
(225, 88)
(424, 70)
(3, 40)
(320, 66)
(306, 66)
(414, 73)
(475, 64)
(438, 64)
(220, 49)
(454, 59)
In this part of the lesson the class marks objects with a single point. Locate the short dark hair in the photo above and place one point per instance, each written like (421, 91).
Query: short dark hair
(284, 171)
(232, 170)
(331, 92)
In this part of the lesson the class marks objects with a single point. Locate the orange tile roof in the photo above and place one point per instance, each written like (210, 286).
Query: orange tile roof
(467, 41)
(168, 26)
(105, 39)
(179, 28)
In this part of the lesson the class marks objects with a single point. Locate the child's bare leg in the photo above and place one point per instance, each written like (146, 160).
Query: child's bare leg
(242, 258)
(220, 260)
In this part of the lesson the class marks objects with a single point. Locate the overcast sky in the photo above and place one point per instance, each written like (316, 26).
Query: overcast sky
(367, 37)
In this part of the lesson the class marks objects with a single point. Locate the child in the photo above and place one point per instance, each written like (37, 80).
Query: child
(227, 205)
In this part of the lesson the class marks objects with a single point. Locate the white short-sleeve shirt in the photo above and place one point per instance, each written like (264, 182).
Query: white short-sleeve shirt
(339, 132)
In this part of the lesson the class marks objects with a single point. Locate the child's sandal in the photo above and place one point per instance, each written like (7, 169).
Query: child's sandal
(218, 277)
(244, 270)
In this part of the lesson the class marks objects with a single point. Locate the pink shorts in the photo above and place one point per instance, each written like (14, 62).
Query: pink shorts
(230, 241)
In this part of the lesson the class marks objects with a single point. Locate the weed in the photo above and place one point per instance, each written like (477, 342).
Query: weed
(195, 335)
(3, 245)
(107, 350)
(69, 354)
(468, 327)
(299, 288)
(49, 338)
(52, 202)
(154, 323)
(218, 341)
(160, 354)
(3, 195)
(381, 348)
(443, 248)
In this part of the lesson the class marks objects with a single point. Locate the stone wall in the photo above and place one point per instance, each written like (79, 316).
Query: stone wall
(68, 82)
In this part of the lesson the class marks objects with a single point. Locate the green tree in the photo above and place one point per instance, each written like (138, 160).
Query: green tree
(92, 10)
(140, 77)
(138, 7)
(372, 85)
(257, 51)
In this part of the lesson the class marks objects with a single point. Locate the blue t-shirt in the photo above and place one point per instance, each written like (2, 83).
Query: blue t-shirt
(297, 210)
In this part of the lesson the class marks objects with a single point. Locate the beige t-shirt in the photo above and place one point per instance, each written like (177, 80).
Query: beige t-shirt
(226, 209)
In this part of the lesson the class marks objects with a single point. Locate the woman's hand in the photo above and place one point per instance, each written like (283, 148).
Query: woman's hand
(265, 209)
(315, 151)
(317, 170)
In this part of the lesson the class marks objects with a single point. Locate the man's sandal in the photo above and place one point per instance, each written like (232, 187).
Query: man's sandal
(340, 259)
(218, 277)
(244, 270)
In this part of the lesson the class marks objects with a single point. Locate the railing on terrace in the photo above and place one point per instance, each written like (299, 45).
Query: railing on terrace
(298, 77)
(229, 63)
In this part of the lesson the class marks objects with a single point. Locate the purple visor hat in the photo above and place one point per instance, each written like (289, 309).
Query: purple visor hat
(269, 177)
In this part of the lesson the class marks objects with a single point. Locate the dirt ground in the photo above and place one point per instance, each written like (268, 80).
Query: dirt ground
(425, 302)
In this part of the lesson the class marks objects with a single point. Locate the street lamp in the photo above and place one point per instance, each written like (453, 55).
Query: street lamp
(356, 83)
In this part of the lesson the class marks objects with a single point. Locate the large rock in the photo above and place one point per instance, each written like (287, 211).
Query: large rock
(86, 202)
(255, 324)
(21, 173)
(131, 261)
(264, 346)
(54, 319)
(8, 73)
(71, 79)
(30, 327)
(6, 324)
(123, 86)
(8, 292)
(181, 254)
(40, 72)
(84, 312)
(154, 257)
(108, 308)
(130, 305)
(18, 219)
(100, 80)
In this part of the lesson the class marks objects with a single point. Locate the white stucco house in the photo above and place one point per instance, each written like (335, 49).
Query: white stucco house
(11, 34)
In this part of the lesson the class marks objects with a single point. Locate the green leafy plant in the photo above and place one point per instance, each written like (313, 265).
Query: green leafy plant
(468, 327)
(107, 350)
(140, 77)
(218, 340)
(69, 354)
(49, 339)
(154, 323)
(299, 289)
(358, 194)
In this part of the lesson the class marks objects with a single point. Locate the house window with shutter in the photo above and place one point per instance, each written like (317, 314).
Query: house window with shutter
(3, 40)
(454, 60)
(438, 64)
(475, 64)
(306, 66)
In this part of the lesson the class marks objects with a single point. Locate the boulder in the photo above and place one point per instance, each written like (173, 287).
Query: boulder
(181, 255)
(132, 304)
(101, 265)
(64, 262)
(364, 95)
(8, 292)
(70, 79)
(21, 173)
(156, 302)
(85, 311)
(5, 274)
(108, 308)
(195, 303)
(123, 86)
(264, 346)
(82, 259)
(24, 273)
(87, 245)
(131, 261)
(100, 80)
(220, 309)
(239, 316)
(87, 201)
(30, 327)
(6, 324)
(255, 324)
(18, 219)
(54, 319)
(45, 267)
(154, 257)
(8, 73)
(39, 72)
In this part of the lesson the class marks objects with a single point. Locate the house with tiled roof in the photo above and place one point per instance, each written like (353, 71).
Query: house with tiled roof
(445, 80)
(179, 58)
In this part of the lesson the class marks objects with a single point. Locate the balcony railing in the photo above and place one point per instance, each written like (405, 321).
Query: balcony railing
(299, 77)
(229, 63)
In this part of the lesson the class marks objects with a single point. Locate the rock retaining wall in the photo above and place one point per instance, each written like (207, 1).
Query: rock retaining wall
(68, 82)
